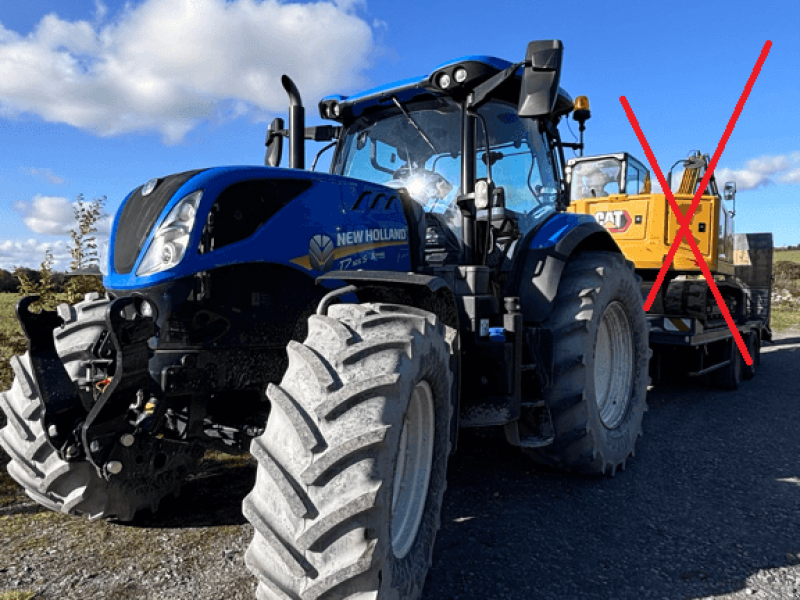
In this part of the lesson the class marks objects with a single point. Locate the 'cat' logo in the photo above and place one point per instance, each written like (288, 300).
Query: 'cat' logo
(615, 221)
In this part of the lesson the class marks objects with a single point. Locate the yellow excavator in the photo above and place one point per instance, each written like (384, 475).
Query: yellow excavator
(687, 328)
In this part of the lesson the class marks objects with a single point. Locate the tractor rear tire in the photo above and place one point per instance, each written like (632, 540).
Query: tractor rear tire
(352, 465)
(75, 487)
(597, 398)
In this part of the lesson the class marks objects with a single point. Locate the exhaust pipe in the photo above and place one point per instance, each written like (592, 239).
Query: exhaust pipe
(297, 125)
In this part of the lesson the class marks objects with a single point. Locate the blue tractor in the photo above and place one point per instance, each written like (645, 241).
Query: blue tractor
(344, 327)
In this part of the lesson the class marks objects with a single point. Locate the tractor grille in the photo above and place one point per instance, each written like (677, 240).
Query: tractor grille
(138, 217)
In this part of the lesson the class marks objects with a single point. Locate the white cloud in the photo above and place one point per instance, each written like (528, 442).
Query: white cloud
(763, 171)
(792, 176)
(50, 215)
(100, 11)
(47, 174)
(165, 65)
(54, 215)
(31, 252)
(350, 5)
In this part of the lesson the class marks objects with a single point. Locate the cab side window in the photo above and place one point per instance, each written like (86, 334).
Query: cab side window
(521, 160)
(634, 180)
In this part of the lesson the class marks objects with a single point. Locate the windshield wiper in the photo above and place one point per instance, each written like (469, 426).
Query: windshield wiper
(410, 120)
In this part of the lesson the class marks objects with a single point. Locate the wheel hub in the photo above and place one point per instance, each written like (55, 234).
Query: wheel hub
(412, 472)
(613, 365)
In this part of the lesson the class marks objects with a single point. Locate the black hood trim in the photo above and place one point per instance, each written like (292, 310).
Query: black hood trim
(139, 216)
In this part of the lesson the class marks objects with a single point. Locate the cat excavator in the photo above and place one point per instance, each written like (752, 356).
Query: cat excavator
(688, 332)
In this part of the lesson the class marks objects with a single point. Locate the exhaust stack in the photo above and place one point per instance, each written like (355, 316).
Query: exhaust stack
(297, 125)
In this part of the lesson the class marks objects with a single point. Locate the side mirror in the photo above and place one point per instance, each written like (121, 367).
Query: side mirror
(274, 143)
(730, 190)
(540, 77)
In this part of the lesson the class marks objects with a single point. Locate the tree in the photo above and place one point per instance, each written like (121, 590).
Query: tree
(85, 257)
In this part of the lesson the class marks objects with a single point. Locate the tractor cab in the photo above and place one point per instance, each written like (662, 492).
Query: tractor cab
(476, 150)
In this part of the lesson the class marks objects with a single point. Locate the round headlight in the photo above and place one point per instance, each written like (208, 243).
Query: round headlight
(335, 109)
(444, 81)
(460, 75)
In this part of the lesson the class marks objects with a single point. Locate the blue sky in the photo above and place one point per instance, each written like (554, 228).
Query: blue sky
(98, 97)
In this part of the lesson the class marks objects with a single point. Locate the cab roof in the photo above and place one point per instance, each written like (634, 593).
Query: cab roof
(479, 68)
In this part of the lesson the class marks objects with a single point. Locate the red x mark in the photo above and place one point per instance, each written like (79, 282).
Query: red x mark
(685, 220)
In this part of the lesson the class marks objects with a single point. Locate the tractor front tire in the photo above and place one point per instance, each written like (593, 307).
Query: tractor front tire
(75, 487)
(597, 398)
(352, 465)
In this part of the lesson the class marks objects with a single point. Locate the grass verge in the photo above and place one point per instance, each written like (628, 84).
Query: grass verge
(17, 595)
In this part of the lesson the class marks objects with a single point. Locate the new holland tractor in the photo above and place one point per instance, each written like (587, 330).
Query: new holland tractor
(344, 327)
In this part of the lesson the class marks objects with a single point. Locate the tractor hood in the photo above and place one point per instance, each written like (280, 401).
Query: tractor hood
(196, 221)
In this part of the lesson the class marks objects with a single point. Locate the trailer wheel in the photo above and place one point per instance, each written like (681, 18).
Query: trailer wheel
(754, 350)
(353, 461)
(74, 487)
(600, 354)
(730, 376)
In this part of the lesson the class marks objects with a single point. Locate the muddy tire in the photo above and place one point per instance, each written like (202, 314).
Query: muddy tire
(74, 487)
(352, 464)
(598, 395)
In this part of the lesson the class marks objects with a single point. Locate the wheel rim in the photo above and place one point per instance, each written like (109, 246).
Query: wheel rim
(412, 473)
(613, 365)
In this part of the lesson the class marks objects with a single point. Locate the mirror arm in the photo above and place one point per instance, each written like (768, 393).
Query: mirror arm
(481, 93)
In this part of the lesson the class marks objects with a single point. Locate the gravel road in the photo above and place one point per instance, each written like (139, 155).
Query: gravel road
(707, 509)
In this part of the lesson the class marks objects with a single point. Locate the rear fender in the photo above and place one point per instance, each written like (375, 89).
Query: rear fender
(537, 270)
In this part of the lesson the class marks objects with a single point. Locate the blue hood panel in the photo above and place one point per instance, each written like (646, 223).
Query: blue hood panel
(337, 224)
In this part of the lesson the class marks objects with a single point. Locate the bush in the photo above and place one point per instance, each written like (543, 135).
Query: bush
(43, 287)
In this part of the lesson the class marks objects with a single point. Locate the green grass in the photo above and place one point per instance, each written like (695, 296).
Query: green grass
(12, 340)
(17, 595)
(786, 278)
(790, 255)
(783, 318)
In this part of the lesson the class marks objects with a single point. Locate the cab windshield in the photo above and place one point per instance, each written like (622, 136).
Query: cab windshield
(388, 149)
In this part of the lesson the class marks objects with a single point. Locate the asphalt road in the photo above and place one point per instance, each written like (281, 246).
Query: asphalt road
(708, 507)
